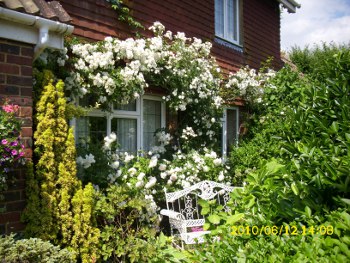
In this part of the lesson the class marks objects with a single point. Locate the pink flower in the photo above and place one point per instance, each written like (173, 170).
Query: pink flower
(4, 141)
(14, 143)
(10, 108)
(14, 152)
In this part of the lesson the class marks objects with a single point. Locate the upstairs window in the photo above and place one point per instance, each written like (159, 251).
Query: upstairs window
(227, 20)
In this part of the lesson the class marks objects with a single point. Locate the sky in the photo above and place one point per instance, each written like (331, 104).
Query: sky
(316, 21)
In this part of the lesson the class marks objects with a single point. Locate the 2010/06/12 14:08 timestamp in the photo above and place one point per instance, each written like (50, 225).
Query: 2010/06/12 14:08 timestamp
(282, 230)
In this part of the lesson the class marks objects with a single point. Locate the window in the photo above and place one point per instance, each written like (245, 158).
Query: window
(227, 20)
(230, 129)
(134, 123)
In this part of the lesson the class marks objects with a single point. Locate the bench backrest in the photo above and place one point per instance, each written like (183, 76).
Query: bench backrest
(186, 201)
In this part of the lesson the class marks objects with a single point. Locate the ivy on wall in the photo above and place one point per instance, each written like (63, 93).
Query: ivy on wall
(124, 14)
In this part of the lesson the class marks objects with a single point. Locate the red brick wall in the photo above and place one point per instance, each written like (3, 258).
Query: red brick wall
(260, 25)
(261, 29)
(16, 85)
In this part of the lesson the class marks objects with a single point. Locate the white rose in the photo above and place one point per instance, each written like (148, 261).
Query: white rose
(162, 167)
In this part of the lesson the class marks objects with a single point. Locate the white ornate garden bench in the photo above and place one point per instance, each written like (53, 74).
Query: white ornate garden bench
(184, 211)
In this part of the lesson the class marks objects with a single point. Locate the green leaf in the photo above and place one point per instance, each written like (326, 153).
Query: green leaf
(308, 211)
(203, 203)
(206, 226)
(162, 239)
(334, 127)
(234, 218)
(273, 167)
(214, 219)
(251, 202)
(347, 136)
(205, 211)
(345, 200)
(295, 188)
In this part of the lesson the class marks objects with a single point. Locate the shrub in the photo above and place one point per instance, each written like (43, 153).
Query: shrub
(128, 224)
(306, 187)
(55, 195)
(11, 148)
(262, 141)
(32, 250)
(311, 60)
(129, 228)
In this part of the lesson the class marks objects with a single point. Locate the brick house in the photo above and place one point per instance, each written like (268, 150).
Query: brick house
(243, 32)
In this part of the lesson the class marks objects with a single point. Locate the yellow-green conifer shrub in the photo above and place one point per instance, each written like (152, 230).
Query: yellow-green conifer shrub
(52, 213)
(86, 237)
(68, 185)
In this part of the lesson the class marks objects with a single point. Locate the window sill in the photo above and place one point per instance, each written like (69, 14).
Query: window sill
(228, 44)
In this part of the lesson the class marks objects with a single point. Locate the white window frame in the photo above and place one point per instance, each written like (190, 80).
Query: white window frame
(224, 129)
(138, 115)
(226, 22)
(162, 116)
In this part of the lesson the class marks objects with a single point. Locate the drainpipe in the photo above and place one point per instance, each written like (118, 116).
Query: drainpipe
(42, 42)
(45, 26)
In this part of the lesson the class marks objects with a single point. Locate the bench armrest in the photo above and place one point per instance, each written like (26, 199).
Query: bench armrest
(172, 214)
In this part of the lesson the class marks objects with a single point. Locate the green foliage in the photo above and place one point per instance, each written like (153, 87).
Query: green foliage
(52, 203)
(317, 142)
(85, 236)
(98, 172)
(310, 60)
(265, 124)
(306, 186)
(253, 208)
(32, 250)
(128, 225)
(124, 14)
(50, 145)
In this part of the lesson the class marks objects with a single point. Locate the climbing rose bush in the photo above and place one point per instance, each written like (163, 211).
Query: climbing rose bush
(248, 84)
(119, 71)
(150, 172)
(11, 148)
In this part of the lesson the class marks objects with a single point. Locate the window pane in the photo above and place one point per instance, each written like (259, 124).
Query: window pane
(151, 122)
(219, 18)
(131, 106)
(126, 130)
(232, 129)
(231, 21)
(91, 129)
(88, 100)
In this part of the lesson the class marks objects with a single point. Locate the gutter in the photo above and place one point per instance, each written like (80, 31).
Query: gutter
(290, 5)
(48, 33)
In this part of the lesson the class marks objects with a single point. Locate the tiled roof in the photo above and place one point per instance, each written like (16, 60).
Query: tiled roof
(52, 10)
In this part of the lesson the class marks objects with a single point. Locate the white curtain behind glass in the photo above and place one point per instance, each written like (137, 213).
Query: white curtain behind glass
(151, 122)
(126, 130)
(231, 20)
(232, 129)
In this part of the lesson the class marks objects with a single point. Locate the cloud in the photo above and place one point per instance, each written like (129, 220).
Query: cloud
(315, 22)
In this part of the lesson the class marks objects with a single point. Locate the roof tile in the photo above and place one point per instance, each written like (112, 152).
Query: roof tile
(14, 4)
(59, 10)
(45, 8)
(30, 7)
